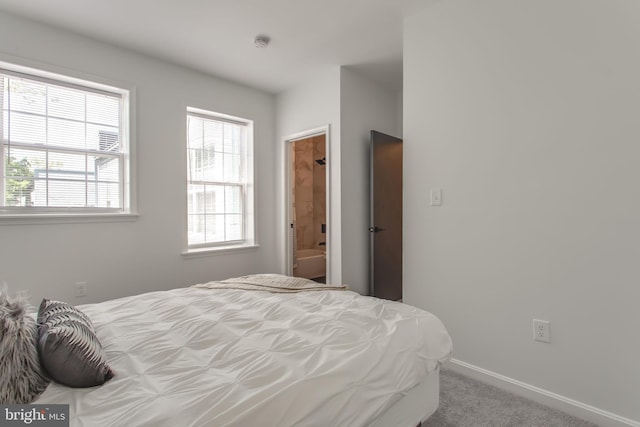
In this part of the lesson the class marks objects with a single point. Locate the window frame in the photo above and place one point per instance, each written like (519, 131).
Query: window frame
(247, 186)
(127, 210)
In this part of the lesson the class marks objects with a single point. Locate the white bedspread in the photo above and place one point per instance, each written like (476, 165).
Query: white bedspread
(202, 357)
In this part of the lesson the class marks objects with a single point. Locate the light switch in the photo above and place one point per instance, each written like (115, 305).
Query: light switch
(436, 196)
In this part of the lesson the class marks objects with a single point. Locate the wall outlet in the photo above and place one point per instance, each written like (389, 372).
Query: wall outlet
(541, 330)
(81, 289)
(436, 197)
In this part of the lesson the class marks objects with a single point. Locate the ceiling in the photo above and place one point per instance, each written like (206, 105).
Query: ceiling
(216, 36)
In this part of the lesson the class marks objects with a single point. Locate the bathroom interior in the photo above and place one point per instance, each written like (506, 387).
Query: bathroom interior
(308, 195)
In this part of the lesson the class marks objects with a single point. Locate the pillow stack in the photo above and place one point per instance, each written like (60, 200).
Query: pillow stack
(62, 346)
(21, 377)
(69, 349)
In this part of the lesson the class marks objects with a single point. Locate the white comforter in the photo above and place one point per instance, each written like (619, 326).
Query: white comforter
(202, 357)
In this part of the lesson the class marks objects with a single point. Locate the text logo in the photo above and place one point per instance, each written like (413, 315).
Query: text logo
(34, 415)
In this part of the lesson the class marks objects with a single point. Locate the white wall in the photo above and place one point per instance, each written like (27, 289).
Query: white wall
(352, 105)
(526, 115)
(118, 259)
(364, 106)
(299, 109)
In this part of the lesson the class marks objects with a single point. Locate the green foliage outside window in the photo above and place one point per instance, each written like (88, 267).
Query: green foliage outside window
(19, 183)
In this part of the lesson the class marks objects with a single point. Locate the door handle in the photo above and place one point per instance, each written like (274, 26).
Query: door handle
(375, 229)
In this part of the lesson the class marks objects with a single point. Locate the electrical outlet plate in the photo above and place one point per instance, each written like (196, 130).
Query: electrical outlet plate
(81, 289)
(436, 197)
(541, 330)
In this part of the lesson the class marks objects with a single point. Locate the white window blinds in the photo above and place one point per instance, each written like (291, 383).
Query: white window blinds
(218, 176)
(63, 146)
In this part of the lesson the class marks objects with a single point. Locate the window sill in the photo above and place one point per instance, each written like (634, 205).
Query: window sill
(205, 252)
(29, 219)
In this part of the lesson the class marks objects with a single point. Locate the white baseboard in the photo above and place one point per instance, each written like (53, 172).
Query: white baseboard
(570, 406)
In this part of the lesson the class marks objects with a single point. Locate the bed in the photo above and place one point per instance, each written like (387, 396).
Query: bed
(199, 356)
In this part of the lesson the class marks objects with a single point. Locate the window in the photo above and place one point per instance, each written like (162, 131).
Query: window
(64, 146)
(219, 183)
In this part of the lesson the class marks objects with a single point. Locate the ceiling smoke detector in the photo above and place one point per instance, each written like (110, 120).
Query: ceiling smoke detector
(261, 42)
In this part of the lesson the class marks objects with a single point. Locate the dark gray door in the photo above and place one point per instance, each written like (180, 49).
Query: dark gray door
(386, 216)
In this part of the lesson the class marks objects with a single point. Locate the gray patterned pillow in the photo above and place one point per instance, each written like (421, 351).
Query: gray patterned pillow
(21, 377)
(69, 349)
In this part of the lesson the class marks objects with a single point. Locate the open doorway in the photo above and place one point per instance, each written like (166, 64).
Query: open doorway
(307, 163)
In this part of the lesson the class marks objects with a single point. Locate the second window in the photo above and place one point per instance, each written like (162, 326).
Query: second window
(218, 178)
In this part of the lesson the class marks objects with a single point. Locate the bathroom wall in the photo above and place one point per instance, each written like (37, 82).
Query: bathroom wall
(309, 192)
(303, 193)
(319, 190)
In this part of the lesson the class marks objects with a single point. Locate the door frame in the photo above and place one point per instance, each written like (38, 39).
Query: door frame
(288, 234)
